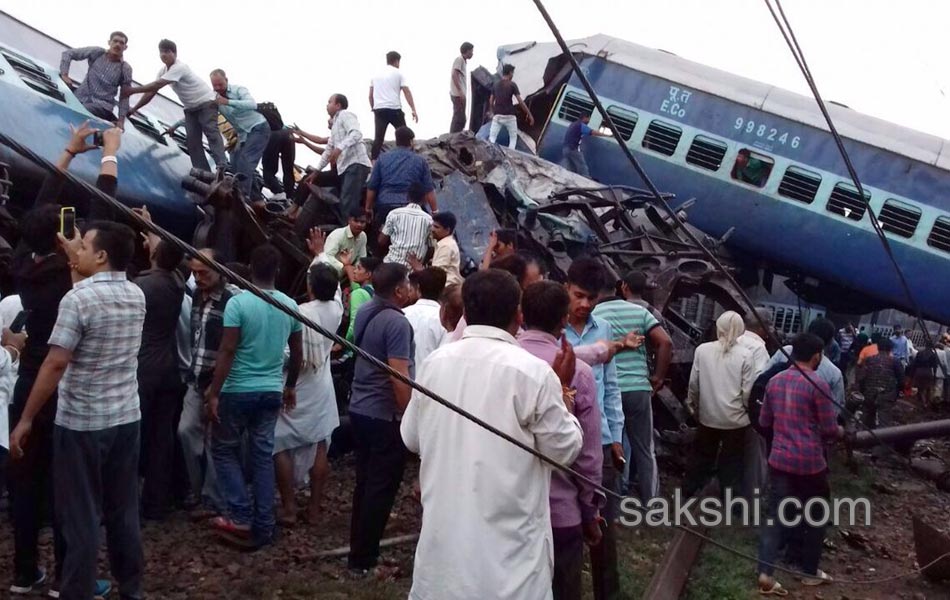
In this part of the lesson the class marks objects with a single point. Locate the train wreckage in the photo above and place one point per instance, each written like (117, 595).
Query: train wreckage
(559, 216)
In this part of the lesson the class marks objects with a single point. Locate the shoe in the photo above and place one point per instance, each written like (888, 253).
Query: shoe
(226, 525)
(820, 578)
(103, 587)
(25, 586)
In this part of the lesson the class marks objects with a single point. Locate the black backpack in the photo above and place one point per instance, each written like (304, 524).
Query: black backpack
(270, 112)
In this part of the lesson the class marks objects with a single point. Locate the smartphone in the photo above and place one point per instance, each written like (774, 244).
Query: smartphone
(19, 321)
(67, 222)
(97, 139)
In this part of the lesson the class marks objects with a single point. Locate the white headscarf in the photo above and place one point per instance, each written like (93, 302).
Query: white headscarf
(729, 327)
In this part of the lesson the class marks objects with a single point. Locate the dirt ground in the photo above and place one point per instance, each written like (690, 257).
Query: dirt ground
(186, 561)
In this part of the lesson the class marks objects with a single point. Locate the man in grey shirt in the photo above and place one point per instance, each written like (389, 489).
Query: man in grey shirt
(108, 75)
(376, 406)
(458, 87)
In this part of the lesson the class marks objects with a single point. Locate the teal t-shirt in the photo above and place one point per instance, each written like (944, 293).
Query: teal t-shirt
(259, 360)
(633, 374)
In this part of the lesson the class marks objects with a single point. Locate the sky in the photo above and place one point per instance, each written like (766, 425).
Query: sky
(881, 57)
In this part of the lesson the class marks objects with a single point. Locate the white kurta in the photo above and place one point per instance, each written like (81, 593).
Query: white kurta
(316, 415)
(427, 331)
(486, 524)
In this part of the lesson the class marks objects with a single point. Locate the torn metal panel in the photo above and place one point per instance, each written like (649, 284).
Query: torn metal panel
(466, 199)
(561, 215)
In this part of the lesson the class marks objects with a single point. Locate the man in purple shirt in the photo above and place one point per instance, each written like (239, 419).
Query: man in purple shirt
(575, 506)
(799, 412)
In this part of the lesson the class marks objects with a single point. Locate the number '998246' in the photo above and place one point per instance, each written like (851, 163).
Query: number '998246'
(767, 133)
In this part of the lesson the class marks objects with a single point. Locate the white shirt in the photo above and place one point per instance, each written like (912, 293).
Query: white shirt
(190, 89)
(760, 354)
(387, 87)
(486, 520)
(345, 134)
(720, 383)
(10, 307)
(7, 382)
(427, 331)
(448, 258)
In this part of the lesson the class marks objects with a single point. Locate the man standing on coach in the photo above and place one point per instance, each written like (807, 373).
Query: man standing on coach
(458, 87)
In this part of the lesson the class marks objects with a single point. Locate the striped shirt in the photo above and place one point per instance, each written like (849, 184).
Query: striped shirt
(104, 78)
(800, 415)
(100, 320)
(207, 329)
(408, 228)
(633, 374)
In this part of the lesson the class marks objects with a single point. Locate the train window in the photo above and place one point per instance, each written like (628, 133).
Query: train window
(899, 218)
(33, 75)
(145, 126)
(624, 120)
(178, 136)
(574, 105)
(940, 235)
(706, 153)
(846, 201)
(752, 168)
(799, 184)
(662, 137)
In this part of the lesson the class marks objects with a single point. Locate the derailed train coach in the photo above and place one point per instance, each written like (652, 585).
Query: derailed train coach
(801, 216)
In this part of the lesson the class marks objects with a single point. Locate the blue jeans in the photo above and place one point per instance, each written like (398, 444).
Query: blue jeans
(573, 160)
(253, 413)
(247, 155)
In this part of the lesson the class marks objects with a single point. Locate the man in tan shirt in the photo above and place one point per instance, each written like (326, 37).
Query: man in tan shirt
(446, 255)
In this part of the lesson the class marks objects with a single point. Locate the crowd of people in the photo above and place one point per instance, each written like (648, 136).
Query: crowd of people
(140, 389)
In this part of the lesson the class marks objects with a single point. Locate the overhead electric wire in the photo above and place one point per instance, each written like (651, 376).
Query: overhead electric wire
(674, 216)
(190, 250)
(295, 314)
(785, 27)
(719, 266)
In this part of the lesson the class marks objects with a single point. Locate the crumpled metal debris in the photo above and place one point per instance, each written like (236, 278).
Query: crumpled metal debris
(561, 215)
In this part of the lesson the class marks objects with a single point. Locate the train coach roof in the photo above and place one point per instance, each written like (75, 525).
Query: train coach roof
(531, 59)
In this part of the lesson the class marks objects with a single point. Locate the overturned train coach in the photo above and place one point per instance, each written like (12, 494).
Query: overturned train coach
(800, 214)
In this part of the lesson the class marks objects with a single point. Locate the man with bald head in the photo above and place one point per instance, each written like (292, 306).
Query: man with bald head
(755, 336)
(346, 151)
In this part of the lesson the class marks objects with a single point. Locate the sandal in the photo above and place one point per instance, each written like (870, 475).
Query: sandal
(768, 586)
(820, 578)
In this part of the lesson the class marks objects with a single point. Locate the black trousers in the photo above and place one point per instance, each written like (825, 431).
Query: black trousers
(352, 190)
(385, 117)
(31, 484)
(568, 562)
(603, 556)
(104, 114)
(280, 148)
(804, 541)
(458, 114)
(161, 401)
(380, 462)
(96, 483)
(717, 450)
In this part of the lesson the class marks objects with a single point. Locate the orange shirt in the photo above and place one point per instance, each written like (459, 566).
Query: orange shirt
(867, 352)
